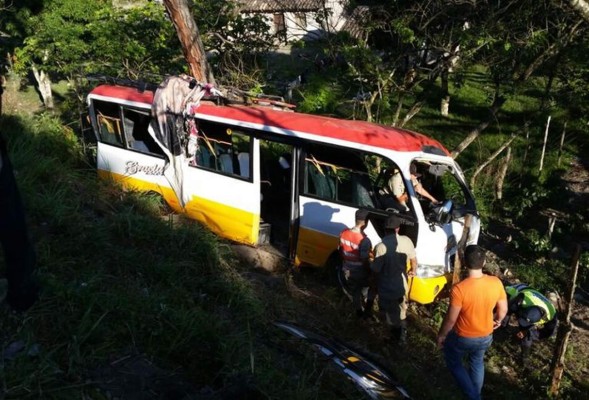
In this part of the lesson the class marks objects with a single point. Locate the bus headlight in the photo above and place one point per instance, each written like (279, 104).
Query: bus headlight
(430, 271)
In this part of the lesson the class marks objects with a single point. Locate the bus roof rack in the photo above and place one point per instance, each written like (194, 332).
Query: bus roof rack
(231, 95)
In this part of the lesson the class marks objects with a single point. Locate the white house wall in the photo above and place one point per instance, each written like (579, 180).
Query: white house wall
(310, 29)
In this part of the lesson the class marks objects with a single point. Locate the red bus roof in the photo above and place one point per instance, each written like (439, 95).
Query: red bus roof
(360, 132)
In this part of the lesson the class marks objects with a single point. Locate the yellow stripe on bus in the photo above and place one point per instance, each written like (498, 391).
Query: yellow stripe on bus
(314, 248)
(226, 221)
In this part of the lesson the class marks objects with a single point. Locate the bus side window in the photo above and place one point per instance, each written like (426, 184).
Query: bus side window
(338, 175)
(108, 118)
(136, 125)
(110, 130)
(321, 184)
(223, 149)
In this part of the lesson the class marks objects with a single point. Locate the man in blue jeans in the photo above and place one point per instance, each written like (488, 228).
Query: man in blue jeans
(478, 304)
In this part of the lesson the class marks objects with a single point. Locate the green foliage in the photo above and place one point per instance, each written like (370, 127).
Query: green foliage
(82, 37)
(544, 275)
(136, 43)
(320, 97)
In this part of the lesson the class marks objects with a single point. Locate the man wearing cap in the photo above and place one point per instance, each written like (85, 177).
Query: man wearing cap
(390, 266)
(355, 248)
(536, 316)
(397, 187)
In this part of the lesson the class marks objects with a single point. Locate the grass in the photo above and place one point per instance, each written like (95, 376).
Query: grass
(115, 275)
(121, 277)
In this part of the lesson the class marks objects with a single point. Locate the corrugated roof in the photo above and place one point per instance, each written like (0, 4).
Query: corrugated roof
(271, 6)
(355, 22)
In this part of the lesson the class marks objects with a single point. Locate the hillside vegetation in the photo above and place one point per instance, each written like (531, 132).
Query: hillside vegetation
(136, 299)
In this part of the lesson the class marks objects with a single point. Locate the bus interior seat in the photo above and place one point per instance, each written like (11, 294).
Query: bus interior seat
(140, 145)
(226, 162)
(204, 158)
(360, 192)
(324, 186)
(244, 164)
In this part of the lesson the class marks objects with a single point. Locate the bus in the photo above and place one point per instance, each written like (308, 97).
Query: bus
(262, 174)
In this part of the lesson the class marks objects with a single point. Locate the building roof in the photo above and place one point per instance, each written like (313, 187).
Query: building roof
(355, 22)
(272, 6)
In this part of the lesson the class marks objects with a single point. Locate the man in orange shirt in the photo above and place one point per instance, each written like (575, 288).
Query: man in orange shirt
(478, 304)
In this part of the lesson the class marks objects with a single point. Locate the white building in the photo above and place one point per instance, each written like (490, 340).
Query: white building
(298, 19)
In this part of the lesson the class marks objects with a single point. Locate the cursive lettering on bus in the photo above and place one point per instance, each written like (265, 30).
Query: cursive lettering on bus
(133, 167)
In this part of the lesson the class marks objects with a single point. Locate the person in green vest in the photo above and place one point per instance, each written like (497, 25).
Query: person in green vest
(536, 316)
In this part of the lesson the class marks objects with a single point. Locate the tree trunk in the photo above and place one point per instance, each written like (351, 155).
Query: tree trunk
(488, 161)
(544, 145)
(495, 107)
(526, 151)
(445, 105)
(2, 84)
(564, 129)
(44, 84)
(415, 108)
(565, 329)
(398, 109)
(190, 39)
(501, 175)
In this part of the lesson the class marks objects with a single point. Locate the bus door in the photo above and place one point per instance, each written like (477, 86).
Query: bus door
(221, 184)
(334, 183)
(126, 152)
(278, 177)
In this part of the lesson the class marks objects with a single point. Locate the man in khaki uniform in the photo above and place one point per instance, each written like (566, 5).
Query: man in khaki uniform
(390, 267)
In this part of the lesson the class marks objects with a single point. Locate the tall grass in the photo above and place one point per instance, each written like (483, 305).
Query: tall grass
(116, 277)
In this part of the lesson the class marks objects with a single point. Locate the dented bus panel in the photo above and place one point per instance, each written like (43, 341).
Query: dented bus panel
(261, 176)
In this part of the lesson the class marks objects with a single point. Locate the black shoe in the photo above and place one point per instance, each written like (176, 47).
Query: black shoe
(524, 356)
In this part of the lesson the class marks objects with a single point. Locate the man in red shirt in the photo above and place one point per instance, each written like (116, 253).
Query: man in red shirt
(478, 304)
(355, 248)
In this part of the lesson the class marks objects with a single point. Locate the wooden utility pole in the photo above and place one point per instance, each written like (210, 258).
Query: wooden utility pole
(190, 40)
(564, 332)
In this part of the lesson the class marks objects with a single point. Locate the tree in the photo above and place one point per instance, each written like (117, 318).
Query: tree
(517, 39)
(189, 36)
(71, 39)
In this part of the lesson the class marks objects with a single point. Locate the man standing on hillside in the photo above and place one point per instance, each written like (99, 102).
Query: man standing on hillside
(390, 267)
(355, 248)
(478, 305)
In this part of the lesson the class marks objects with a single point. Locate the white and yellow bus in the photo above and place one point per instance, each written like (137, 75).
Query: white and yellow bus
(266, 176)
